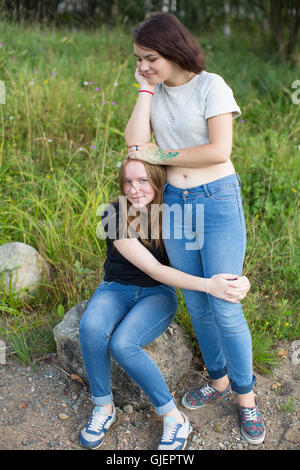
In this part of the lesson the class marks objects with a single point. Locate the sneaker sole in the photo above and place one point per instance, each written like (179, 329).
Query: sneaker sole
(259, 440)
(190, 407)
(99, 445)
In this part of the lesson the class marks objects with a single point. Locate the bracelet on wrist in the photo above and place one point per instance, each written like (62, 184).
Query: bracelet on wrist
(146, 91)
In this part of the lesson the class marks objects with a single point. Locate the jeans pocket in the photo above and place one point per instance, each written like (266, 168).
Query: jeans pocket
(224, 192)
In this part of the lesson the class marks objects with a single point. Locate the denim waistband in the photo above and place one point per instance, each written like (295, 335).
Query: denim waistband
(207, 188)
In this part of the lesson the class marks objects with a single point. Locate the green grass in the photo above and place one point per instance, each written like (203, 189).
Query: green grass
(62, 140)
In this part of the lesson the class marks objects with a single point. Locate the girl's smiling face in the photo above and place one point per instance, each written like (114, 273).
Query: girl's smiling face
(154, 67)
(136, 185)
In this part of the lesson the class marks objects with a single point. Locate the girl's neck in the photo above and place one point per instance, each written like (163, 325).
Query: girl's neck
(182, 77)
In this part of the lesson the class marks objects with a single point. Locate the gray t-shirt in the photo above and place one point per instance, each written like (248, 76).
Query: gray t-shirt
(179, 114)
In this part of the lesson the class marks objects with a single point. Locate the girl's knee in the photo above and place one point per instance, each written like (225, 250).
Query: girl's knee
(92, 324)
(120, 345)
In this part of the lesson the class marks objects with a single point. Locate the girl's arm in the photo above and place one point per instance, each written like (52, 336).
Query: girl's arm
(139, 127)
(216, 152)
(217, 285)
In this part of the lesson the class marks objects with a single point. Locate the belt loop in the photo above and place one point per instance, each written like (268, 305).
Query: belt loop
(206, 190)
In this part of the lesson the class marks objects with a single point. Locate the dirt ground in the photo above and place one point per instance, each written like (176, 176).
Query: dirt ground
(42, 407)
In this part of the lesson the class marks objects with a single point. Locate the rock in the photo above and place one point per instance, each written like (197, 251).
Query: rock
(128, 409)
(295, 345)
(22, 268)
(172, 354)
(296, 357)
(295, 352)
(63, 416)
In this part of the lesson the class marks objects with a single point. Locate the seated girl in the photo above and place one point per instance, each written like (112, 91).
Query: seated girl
(136, 302)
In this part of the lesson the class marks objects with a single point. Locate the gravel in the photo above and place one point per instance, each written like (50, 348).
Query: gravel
(43, 407)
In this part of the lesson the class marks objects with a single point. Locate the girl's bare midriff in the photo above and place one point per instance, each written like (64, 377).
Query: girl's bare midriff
(191, 177)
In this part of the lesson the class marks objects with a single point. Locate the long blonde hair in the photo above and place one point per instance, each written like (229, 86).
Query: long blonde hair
(157, 177)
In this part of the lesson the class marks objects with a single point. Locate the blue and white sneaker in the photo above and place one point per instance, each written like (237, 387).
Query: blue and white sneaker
(91, 437)
(174, 434)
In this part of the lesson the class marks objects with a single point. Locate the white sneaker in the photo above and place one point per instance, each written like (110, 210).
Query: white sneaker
(91, 437)
(174, 434)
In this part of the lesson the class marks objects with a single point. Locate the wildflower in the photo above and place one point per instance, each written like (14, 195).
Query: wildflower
(118, 164)
(242, 121)
(48, 176)
(51, 169)
(113, 103)
(93, 147)
(50, 140)
(97, 88)
(287, 324)
(31, 83)
(103, 102)
(35, 70)
(116, 84)
(90, 83)
(85, 83)
(136, 85)
(29, 210)
(294, 190)
(45, 81)
(11, 117)
(53, 72)
(1, 44)
(257, 216)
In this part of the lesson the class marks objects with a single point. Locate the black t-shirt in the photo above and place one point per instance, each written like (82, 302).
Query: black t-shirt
(116, 267)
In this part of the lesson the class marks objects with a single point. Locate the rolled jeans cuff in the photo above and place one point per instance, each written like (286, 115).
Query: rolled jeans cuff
(161, 410)
(241, 390)
(103, 400)
(217, 374)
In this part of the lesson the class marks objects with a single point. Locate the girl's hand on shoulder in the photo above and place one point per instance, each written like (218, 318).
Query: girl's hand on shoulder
(228, 287)
(149, 152)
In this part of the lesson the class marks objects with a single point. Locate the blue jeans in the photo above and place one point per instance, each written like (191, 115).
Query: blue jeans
(121, 319)
(210, 238)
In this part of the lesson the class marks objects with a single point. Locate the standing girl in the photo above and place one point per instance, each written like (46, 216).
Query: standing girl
(190, 113)
(135, 303)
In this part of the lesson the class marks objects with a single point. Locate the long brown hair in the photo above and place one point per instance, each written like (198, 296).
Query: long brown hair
(165, 34)
(157, 177)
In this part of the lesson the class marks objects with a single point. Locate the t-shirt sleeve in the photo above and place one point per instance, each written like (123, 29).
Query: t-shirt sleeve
(220, 99)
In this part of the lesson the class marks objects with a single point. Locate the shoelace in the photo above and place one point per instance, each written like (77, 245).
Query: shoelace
(207, 389)
(169, 430)
(96, 422)
(250, 414)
